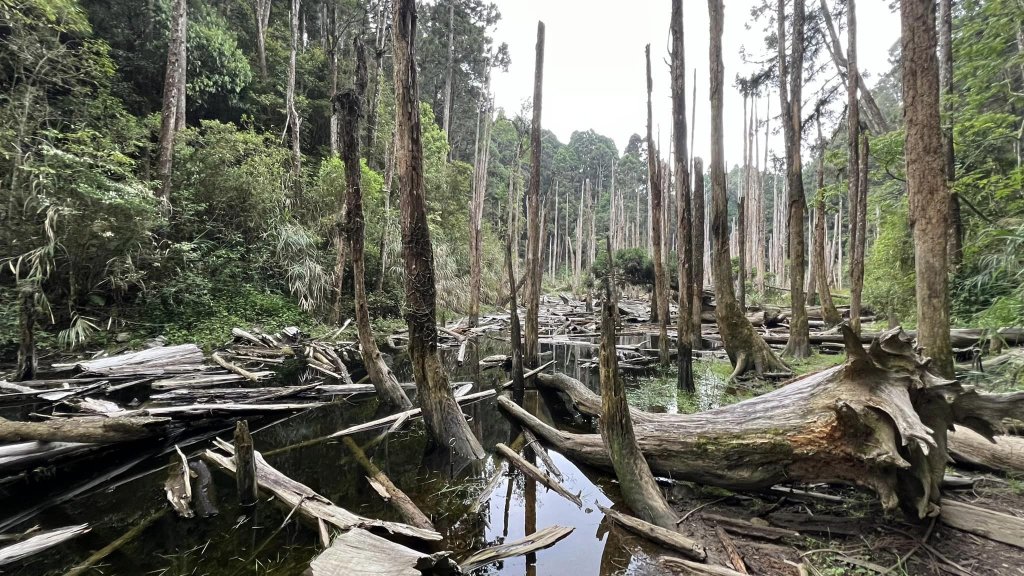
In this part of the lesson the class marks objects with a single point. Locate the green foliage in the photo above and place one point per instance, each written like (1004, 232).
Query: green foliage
(889, 267)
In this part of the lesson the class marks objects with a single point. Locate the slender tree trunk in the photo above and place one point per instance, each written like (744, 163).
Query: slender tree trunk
(534, 272)
(956, 237)
(660, 302)
(262, 9)
(294, 122)
(179, 116)
(169, 111)
(636, 482)
(741, 250)
(334, 44)
(853, 171)
(828, 308)
(699, 248)
(926, 181)
(476, 211)
(684, 232)
(27, 361)
(446, 120)
(441, 412)
(389, 173)
(378, 82)
(745, 348)
(792, 71)
(857, 256)
(350, 112)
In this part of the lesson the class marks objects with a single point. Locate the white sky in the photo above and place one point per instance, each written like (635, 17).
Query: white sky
(594, 70)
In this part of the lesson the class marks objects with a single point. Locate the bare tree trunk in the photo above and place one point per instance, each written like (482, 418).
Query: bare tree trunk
(27, 361)
(378, 79)
(534, 272)
(684, 233)
(179, 116)
(334, 44)
(476, 210)
(745, 348)
(446, 120)
(956, 237)
(637, 484)
(441, 412)
(350, 111)
(792, 71)
(294, 122)
(660, 302)
(699, 248)
(262, 9)
(853, 171)
(926, 181)
(169, 111)
(857, 256)
(389, 173)
(828, 308)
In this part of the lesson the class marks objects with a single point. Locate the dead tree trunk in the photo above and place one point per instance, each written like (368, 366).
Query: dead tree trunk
(684, 233)
(262, 9)
(446, 120)
(853, 170)
(476, 210)
(699, 248)
(534, 272)
(334, 44)
(378, 82)
(926, 181)
(791, 71)
(637, 484)
(27, 362)
(441, 412)
(956, 237)
(660, 301)
(169, 109)
(828, 308)
(294, 123)
(745, 348)
(350, 108)
(877, 421)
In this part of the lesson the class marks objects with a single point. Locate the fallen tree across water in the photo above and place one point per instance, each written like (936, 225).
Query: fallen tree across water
(877, 421)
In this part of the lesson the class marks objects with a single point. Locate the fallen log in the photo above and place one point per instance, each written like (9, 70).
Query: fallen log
(162, 360)
(309, 504)
(877, 421)
(983, 522)
(690, 567)
(393, 494)
(1002, 454)
(234, 368)
(657, 534)
(97, 556)
(40, 542)
(537, 541)
(360, 553)
(749, 529)
(536, 473)
(405, 415)
(86, 429)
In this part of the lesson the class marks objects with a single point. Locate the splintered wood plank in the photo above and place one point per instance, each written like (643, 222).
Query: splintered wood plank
(40, 542)
(536, 541)
(360, 553)
(983, 522)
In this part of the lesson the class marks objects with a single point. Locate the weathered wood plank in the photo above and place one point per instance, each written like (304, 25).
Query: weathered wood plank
(40, 542)
(657, 534)
(537, 541)
(983, 522)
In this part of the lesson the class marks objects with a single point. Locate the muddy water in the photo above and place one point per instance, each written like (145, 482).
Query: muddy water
(117, 492)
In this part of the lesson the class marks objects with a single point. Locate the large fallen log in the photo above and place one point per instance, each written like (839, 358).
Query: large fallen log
(39, 542)
(360, 553)
(983, 522)
(86, 429)
(877, 421)
(536, 541)
(1004, 454)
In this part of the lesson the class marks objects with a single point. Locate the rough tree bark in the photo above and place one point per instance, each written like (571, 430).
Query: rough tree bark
(660, 301)
(637, 484)
(262, 10)
(684, 233)
(441, 412)
(476, 210)
(27, 362)
(828, 308)
(926, 181)
(446, 120)
(956, 238)
(853, 171)
(350, 110)
(534, 271)
(169, 109)
(334, 43)
(791, 70)
(877, 421)
(698, 248)
(745, 348)
(294, 123)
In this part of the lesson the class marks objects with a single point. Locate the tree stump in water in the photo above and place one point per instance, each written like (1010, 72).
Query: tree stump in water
(877, 421)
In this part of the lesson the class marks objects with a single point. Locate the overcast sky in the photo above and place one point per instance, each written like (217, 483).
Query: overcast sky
(594, 71)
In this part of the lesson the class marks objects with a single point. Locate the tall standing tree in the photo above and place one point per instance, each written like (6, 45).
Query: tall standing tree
(684, 232)
(294, 123)
(791, 71)
(926, 179)
(534, 271)
(660, 301)
(745, 348)
(350, 108)
(476, 211)
(956, 238)
(857, 241)
(828, 308)
(699, 247)
(449, 73)
(262, 10)
(441, 412)
(173, 85)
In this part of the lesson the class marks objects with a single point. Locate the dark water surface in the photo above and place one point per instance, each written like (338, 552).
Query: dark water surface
(118, 491)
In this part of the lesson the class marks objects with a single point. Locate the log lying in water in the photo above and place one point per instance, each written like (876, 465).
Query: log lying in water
(536, 541)
(87, 429)
(305, 501)
(360, 553)
(162, 360)
(878, 421)
(39, 542)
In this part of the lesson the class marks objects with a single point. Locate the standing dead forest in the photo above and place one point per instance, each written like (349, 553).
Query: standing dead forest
(347, 287)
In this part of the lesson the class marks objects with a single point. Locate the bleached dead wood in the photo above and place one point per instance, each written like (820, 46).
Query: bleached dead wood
(252, 377)
(405, 415)
(179, 359)
(657, 534)
(178, 486)
(360, 553)
(39, 542)
(536, 473)
(983, 522)
(537, 541)
(391, 493)
(306, 502)
(689, 567)
(1005, 454)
